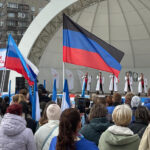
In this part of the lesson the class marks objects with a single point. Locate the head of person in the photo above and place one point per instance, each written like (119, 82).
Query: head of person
(44, 118)
(122, 115)
(135, 102)
(86, 74)
(100, 73)
(109, 101)
(148, 93)
(69, 126)
(15, 109)
(127, 74)
(6, 100)
(18, 98)
(128, 98)
(23, 92)
(101, 100)
(53, 112)
(94, 97)
(116, 98)
(142, 75)
(97, 111)
(142, 114)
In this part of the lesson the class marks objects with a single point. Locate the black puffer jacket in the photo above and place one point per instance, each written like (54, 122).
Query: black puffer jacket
(138, 127)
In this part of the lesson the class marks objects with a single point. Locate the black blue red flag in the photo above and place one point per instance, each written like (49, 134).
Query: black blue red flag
(83, 48)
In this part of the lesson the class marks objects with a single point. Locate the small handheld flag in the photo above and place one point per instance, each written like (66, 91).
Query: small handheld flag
(54, 96)
(65, 98)
(83, 90)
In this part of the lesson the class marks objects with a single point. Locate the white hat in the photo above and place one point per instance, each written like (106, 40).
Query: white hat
(135, 102)
(53, 112)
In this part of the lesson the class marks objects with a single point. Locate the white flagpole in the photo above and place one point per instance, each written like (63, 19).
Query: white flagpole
(63, 74)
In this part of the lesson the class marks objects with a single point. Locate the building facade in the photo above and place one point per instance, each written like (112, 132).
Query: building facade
(16, 16)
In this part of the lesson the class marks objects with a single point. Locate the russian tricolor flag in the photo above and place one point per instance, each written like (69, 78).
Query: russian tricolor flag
(82, 48)
(15, 61)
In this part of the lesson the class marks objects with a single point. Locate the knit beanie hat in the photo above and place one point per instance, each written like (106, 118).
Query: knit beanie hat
(53, 112)
(15, 109)
(135, 102)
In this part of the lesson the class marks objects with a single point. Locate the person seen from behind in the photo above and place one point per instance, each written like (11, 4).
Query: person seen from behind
(97, 125)
(13, 132)
(119, 136)
(141, 121)
(45, 133)
(68, 137)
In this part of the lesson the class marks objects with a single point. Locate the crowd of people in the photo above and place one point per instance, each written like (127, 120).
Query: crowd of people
(98, 123)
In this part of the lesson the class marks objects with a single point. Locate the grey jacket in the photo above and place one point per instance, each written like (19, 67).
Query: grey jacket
(14, 135)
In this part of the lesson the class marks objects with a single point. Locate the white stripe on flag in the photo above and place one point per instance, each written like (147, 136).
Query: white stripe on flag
(38, 114)
(64, 104)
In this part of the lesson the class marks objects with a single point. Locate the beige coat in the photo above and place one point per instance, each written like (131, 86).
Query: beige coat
(145, 141)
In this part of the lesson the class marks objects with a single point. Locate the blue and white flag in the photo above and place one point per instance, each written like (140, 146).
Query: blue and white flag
(54, 96)
(9, 91)
(83, 89)
(65, 98)
(36, 114)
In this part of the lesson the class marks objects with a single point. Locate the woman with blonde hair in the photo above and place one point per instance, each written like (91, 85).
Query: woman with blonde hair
(18, 98)
(119, 136)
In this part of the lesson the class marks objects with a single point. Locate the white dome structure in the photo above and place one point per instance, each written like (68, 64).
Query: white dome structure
(124, 24)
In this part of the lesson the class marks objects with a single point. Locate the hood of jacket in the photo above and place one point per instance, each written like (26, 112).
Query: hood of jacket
(116, 135)
(12, 124)
(99, 124)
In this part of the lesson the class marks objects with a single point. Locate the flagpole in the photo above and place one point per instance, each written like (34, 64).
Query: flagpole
(63, 74)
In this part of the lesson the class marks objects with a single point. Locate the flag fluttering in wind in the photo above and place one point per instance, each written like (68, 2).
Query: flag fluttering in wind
(83, 48)
(54, 96)
(65, 98)
(15, 61)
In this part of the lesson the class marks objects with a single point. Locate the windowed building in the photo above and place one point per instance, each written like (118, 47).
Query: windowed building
(15, 17)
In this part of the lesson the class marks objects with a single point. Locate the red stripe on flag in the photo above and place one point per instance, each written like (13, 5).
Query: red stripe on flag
(17, 67)
(85, 58)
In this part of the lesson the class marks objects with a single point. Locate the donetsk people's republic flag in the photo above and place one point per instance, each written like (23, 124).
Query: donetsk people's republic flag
(82, 48)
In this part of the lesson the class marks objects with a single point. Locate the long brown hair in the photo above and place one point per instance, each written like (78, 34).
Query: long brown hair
(69, 121)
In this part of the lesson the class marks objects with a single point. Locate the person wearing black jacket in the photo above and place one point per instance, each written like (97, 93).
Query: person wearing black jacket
(141, 121)
(98, 123)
